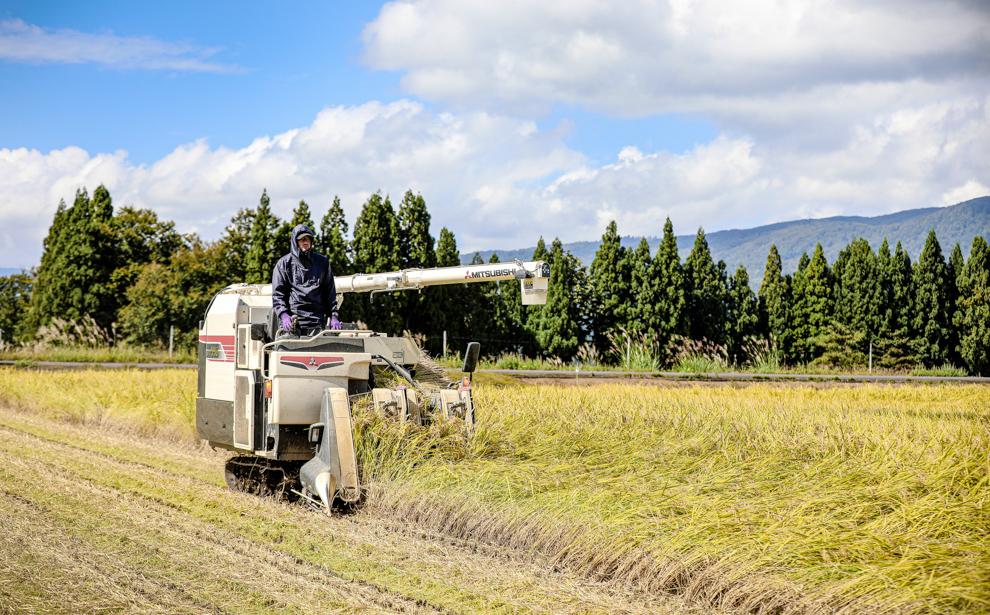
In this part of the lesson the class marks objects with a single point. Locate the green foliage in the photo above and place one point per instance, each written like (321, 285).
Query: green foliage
(376, 249)
(932, 313)
(75, 278)
(333, 238)
(174, 294)
(235, 242)
(706, 293)
(839, 346)
(774, 299)
(639, 265)
(505, 318)
(668, 314)
(557, 331)
(813, 307)
(858, 291)
(743, 315)
(262, 248)
(15, 296)
(610, 280)
(416, 250)
(973, 315)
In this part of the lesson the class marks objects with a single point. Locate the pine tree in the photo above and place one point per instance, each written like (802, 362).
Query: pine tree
(813, 307)
(416, 244)
(669, 317)
(932, 319)
(885, 289)
(235, 244)
(893, 347)
(416, 249)
(610, 281)
(15, 297)
(743, 314)
(505, 320)
(376, 250)
(774, 303)
(558, 332)
(857, 298)
(973, 316)
(706, 293)
(75, 276)
(333, 238)
(639, 265)
(261, 254)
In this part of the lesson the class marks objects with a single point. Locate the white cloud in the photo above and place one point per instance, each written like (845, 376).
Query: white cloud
(801, 71)
(501, 182)
(23, 42)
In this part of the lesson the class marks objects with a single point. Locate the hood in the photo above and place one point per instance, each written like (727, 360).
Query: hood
(301, 229)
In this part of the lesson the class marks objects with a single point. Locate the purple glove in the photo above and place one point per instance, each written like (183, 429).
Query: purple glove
(286, 321)
(334, 322)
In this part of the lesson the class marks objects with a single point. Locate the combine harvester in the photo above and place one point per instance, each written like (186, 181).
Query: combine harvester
(285, 404)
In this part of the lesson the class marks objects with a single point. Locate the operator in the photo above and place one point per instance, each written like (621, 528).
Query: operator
(303, 292)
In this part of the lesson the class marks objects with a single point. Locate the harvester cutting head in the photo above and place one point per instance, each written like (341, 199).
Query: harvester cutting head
(285, 404)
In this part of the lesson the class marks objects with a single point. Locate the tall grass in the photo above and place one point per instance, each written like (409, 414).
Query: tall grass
(783, 498)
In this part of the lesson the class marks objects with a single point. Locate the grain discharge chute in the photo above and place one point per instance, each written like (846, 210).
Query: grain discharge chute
(284, 405)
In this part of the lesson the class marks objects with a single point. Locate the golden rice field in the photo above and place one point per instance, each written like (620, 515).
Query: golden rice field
(797, 498)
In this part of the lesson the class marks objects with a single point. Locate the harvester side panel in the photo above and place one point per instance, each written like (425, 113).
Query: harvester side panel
(300, 377)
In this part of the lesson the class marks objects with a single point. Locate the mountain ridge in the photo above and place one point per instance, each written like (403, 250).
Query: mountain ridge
(749, 247)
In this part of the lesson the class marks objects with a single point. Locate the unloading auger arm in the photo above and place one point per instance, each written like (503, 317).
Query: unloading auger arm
(533, 276)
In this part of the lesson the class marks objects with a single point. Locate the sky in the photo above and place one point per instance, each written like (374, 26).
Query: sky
(513, 119)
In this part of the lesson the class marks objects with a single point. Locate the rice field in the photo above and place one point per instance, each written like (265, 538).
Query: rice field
(780, 498)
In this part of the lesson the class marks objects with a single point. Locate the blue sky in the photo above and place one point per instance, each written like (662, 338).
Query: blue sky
(513, 121)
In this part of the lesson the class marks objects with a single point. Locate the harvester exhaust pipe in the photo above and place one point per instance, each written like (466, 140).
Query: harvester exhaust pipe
(332, 473)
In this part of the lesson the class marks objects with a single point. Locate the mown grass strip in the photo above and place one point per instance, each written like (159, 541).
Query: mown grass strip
(299, 534)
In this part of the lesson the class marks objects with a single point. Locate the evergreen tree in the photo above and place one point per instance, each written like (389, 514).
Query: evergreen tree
(15, 297)
(540, 252)
(956, 265)
(446, 300)
(611, 284)
(235, 244)
(505, 319)
(416, 249)
(74, 279)
(640, 266)
(973, 316)
(416, 244)
(893, 347)
(669, 317)
(706, 293)
(376, 250)
(333, 238)
(813, 307)
(261, 253)
(885, 289)
(743, 314)
(558, 334)
(857, 298)
(774, 303)
(932, 318)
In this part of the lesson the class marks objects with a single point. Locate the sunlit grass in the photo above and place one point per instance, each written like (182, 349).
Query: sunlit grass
(874, 496)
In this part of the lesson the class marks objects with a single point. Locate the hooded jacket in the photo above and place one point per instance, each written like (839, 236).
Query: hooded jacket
(302, 285)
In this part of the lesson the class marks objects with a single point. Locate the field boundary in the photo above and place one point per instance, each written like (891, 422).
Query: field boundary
(579, 374)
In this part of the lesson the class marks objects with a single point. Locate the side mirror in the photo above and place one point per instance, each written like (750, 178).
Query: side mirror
(471, 357)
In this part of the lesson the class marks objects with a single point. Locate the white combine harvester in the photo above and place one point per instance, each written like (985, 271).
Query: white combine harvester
(285, 404)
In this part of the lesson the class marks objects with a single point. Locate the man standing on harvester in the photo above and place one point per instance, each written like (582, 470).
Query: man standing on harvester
(303, 292)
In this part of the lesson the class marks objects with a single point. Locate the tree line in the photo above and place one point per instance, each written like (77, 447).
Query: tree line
(130, 276)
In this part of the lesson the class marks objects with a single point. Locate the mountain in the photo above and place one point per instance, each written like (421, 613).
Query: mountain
(955, 223)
